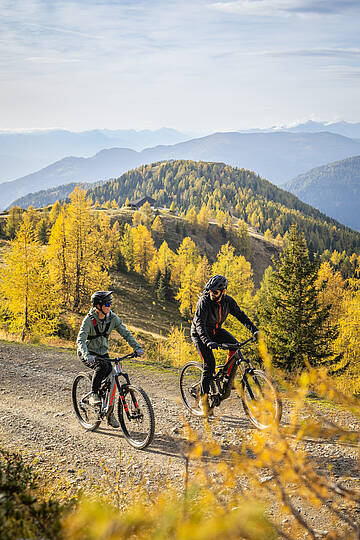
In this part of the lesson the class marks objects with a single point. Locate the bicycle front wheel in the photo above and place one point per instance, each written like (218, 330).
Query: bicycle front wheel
(190, 386)
(85, 413)
(136, 416)
(260, 399)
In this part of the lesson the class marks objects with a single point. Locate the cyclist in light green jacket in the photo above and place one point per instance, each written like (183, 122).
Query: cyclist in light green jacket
(93, 345)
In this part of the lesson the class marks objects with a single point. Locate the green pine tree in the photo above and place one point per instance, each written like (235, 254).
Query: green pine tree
(290, 313)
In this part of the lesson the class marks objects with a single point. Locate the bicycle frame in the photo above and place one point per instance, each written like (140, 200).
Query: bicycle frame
(226, 372)
(113, 383)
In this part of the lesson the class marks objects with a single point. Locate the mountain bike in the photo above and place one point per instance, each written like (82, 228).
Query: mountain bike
(135, 412)
(258, 394)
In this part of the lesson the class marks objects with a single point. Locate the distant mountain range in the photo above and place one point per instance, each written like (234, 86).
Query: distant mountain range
(102, 166)
(333, 188)
(347, 129)
(275, 156)
(24, 153)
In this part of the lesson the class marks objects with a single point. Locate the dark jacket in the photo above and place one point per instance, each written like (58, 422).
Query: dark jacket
(210, 315)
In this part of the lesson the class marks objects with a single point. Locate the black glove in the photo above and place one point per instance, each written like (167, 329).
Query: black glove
(256, 336)
(213, 345)
(91, 359)
(139, 352)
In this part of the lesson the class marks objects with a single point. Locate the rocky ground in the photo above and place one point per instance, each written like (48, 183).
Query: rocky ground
(36, 416)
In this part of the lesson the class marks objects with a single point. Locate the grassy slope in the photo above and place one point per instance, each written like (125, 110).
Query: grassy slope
(140, 310)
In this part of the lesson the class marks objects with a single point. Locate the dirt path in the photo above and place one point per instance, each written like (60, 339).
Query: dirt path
(36, 415)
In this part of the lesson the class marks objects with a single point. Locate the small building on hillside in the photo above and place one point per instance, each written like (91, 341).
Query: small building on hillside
(137, 203)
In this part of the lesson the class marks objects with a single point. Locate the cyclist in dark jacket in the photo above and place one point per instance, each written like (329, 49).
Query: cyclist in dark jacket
(93, 345)
(212, 310)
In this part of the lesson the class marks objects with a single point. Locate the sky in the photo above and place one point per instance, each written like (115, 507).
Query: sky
(198, 66)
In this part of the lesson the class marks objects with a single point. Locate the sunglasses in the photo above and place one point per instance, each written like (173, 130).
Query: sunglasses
(217, 293)
(107, 304)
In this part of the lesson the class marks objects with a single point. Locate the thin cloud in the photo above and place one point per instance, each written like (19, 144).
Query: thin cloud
(286, 8)
(316, 52)
(50, 60)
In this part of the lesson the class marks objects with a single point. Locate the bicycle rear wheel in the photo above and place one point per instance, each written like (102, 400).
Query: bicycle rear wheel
(85, 413)
(136, 416)
(260, 399)
(190, 386)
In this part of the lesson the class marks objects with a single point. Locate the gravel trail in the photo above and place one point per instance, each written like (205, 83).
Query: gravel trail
(36, 416)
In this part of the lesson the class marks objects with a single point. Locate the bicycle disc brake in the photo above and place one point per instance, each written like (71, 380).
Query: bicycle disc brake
(215, 400)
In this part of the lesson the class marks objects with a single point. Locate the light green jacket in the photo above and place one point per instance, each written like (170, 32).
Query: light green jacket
(100, 345)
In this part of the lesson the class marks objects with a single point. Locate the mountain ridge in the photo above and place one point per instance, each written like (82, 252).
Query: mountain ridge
(23, 153)
(276, 156)
(189, 184)
(333, 188)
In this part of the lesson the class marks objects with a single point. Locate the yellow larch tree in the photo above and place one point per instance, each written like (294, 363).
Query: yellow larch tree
(147, 213)
(84, 261)
(13, 221)
(54, 212)
(268, 235)
(126, 247)
(157, 228)
(26, 287)
(237, 270)
(57, 256)
(188, 292)
(161, 263)
(241, 286)
(109, 245)
(220, 218)
(203, 217)
(331, 287)
(191, 217)
(137, 218)
(202, 273)
(143, 249)
(348, 343)
(86, 264)
(193, 280)
(166, 257)
(187, 253)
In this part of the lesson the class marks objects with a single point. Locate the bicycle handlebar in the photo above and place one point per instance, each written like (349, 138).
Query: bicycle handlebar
(234, 346)
(119, 358)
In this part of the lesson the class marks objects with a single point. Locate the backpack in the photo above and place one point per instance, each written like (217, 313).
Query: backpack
(105, 333)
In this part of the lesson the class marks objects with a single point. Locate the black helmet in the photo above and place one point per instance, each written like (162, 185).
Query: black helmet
(100, 297)
(216, 283)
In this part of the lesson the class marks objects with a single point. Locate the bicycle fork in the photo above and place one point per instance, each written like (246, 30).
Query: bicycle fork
(123, 400)
(246, 383)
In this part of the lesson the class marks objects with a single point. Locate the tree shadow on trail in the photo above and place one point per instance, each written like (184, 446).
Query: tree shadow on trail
(177, 445)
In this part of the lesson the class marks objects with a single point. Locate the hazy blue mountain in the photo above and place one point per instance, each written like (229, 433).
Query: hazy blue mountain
(333, 188)
(103, 165)
(347, 129)
(275, 156)
(42, 198)
(24, 153)
(12, 167)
